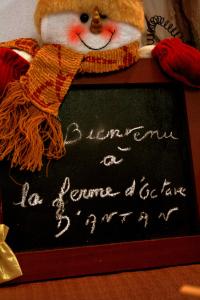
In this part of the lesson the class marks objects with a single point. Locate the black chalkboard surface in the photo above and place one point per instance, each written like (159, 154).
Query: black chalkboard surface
(127, 177)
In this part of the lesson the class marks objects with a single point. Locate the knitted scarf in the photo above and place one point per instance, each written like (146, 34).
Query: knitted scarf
(30, 129)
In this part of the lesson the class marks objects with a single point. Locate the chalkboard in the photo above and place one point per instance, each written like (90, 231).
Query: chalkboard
(127, 175)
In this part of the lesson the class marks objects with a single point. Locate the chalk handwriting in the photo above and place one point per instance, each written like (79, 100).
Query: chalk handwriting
(138, 134)
(111, 160)
(144, 217)
(167, 215)
(33, 200)
(130, 191)
(78, 194)
(108, 217)
(140, 189)
(73, 134)
(60, 205)
(172, 191)
(60, 222)
(125, 216)
(146, 191)
(91, 220)
(124, 149)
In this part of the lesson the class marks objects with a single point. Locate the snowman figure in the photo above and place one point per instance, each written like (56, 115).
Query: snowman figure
(86, 26)
(77, 36)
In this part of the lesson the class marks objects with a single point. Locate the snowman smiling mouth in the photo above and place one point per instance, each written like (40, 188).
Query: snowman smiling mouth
(92, 48)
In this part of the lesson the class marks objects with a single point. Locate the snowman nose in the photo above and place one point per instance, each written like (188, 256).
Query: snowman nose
(96, 24)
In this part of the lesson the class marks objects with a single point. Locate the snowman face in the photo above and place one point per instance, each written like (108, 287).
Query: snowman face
(84, 33)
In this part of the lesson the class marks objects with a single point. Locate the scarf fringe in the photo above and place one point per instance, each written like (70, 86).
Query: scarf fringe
(27, 133)
(29, 128)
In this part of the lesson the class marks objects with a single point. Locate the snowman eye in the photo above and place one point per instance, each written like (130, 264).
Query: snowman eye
(84, 18)
(103, 16)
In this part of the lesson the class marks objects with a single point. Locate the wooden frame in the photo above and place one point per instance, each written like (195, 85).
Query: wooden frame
(78, 261)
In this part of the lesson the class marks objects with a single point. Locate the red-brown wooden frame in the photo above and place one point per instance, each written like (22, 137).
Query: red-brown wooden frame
(78, 261)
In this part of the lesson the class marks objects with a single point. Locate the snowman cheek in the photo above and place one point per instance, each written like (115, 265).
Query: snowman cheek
(74, 31)
(108, 29)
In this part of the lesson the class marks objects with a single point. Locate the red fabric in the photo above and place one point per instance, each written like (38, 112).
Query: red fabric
(179, 60)
(12, 66)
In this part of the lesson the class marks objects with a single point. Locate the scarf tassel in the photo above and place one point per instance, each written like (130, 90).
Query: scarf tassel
(27, 133)
(29, 126)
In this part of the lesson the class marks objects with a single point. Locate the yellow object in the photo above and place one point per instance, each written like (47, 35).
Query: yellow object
(9, 266)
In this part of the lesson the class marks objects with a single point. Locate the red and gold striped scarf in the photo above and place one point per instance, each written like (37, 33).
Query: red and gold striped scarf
(29, 110)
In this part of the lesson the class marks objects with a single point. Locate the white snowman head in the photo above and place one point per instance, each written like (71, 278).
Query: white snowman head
(88, 25)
